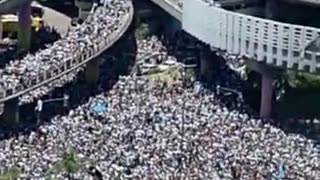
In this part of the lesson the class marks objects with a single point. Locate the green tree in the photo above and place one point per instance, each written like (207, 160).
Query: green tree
(68, 164)
(142, 32)
(10, 174)
(302, 80)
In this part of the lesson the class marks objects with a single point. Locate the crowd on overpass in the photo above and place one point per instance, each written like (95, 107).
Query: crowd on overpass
(159, 130)
(104, 21)
(44, 36)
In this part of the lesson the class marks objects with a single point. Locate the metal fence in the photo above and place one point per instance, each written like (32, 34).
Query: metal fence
(70, 64)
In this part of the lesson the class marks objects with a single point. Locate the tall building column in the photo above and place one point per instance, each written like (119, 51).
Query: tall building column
(266, 96)
(1, 30)
(11, 111)
(24, 34)
(92, 71)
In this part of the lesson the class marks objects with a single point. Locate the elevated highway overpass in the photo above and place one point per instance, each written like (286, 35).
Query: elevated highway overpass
(10, 96)
(277, 44)
(261, 41)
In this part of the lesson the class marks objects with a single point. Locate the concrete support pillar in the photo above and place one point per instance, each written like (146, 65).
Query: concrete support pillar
(172, 26)
(11, 111)
(79, 12)
(1, 30)
(84, 8)
(137, 20)
(92, 71)
(24, 34)
(83, 13)
(203, 67)
(266, 96)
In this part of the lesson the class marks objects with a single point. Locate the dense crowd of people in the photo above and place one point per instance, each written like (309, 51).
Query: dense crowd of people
(104, 21)
(149, 129)
(39, 39)
(153, 56)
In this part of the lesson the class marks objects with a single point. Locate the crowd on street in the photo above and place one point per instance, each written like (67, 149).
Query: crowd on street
(149, 129)
(153, 56)
(104, 20)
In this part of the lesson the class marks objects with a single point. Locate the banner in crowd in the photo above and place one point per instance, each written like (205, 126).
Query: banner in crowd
(98, 107)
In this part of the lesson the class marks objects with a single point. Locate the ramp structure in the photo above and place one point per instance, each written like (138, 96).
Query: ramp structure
(9, 96)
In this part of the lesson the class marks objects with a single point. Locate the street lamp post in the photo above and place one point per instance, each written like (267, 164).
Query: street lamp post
(40, 104)
(185, 67)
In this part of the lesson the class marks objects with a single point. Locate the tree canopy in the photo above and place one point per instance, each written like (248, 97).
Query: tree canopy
(68, 164)
(143, 31)
(10, 174)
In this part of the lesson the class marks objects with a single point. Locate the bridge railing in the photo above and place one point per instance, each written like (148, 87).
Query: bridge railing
(272, 42)
(177, 3)
(70, 64)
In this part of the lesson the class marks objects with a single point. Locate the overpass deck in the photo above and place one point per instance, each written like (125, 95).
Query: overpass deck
(266, 41)
(71, 63)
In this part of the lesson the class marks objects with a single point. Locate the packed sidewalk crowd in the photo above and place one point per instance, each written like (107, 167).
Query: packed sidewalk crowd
(156, 130)
(104, 20)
